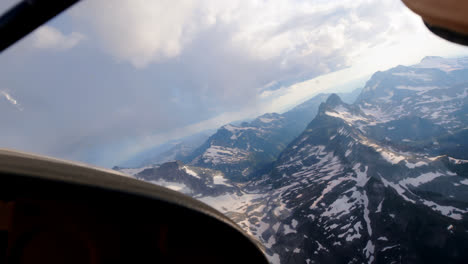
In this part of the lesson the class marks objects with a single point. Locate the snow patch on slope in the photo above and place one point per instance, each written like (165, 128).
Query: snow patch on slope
(421, 179)
(218, 154)
(344, 114)
(220, 180)
(231, 202)
(191, 172)
(175, 186)
(415, 165)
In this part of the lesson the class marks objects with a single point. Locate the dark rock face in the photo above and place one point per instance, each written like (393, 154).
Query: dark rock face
(381, 180)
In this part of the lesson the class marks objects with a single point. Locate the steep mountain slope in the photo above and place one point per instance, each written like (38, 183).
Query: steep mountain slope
(428, 99)
(436, 94)
(239, 151)
(349, 198)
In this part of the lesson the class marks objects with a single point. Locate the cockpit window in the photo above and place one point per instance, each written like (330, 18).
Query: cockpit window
(329, 131)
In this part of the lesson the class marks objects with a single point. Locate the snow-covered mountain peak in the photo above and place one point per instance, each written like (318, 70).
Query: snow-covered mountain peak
(443, 64)
(350, 114)
(435, 89)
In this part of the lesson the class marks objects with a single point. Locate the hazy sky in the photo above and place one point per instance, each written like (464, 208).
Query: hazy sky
(107, 79)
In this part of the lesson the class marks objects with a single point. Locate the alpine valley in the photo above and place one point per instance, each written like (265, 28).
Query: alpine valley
(379, 175)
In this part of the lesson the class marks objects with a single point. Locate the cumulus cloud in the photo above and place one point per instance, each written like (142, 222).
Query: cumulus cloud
(48, 37)
(297, 34)
(141, 31)
(235, 50)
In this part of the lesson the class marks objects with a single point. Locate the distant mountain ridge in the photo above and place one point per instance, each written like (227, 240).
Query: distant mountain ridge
(242, 151)
(169, 151)
(187, 149)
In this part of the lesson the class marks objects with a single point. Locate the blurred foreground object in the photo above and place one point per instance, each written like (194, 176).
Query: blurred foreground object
(445, 18)
(52, 211)
(26, 16)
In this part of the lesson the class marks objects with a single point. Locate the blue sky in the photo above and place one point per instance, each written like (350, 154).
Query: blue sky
(108, 79)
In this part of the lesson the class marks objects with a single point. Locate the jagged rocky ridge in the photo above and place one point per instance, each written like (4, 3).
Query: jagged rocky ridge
(244, 151)
(381, 180)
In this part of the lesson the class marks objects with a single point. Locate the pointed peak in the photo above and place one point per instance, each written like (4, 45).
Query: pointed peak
(334, 100)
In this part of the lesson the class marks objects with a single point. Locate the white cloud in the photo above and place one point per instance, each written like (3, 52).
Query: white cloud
(11, 100)
(141, 31)
(48, 37)
(319, 36)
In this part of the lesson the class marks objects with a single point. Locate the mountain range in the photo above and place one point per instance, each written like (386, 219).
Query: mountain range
(381, 178)
(242, 150)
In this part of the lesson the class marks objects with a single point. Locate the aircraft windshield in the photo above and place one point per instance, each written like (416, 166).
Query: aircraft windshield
(331, 131)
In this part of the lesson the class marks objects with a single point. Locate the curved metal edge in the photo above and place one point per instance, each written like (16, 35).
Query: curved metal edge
(447, 34)
(25, 164)
(26, 16)
(450, 15)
